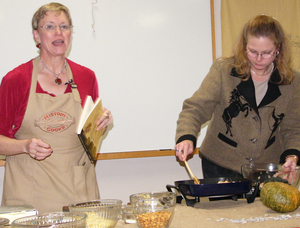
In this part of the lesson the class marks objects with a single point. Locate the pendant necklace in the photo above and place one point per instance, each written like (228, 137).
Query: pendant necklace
(265, 73)
(57, 80)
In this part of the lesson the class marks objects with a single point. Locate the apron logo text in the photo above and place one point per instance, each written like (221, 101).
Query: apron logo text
(54, 122)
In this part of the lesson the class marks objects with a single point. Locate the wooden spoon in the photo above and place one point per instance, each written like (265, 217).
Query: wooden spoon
(196, 180)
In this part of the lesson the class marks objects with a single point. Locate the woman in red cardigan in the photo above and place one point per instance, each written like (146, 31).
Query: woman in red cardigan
(40, 104)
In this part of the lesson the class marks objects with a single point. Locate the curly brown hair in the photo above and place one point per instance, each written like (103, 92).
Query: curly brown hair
(264, 26)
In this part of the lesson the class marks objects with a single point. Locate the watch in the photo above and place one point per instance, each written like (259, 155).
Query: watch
(294, 156)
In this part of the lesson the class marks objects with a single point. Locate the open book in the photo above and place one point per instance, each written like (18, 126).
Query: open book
(87, 128)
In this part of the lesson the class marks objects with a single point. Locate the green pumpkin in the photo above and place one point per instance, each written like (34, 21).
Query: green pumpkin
(280, 197)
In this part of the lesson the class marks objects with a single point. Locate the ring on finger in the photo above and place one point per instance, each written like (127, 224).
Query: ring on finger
(107, 116)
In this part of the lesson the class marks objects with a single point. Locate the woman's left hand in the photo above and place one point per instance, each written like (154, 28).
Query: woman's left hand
(289, 169)
(104, 120)
(291, 162)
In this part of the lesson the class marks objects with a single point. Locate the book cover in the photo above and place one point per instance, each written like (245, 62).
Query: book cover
(87, 128)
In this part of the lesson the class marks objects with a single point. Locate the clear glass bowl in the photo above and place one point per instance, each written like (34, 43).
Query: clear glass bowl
(153, 209)
(55, 219)
(102, 213)
(127, 214)
(259, 172)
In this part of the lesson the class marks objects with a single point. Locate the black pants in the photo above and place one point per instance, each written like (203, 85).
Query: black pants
(212, 170)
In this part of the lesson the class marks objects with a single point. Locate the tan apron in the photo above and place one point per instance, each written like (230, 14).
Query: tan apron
(67, 175)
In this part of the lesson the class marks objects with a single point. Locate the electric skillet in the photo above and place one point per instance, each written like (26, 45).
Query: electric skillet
(212, 187)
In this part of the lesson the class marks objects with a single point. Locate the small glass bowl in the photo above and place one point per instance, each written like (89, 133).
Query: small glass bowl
(55, 219)
(127, 214)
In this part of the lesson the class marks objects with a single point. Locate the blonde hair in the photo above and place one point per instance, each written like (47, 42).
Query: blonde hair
(54, 7)
(264, 26)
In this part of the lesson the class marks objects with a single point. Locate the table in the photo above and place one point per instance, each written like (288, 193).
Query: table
(228, 213)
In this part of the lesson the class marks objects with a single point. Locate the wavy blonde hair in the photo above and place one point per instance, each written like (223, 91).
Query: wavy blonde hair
(264, 26)
(54, 7)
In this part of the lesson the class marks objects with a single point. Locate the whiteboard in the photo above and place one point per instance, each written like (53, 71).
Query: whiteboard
(148, 55)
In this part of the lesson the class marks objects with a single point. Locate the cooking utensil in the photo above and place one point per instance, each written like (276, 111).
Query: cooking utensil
(210, 187)
(196, 181)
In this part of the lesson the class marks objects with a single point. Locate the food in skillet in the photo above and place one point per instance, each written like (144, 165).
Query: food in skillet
(224, 182)
(227, 181)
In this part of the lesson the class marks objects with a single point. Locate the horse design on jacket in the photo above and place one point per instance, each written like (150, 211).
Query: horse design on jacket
(233, 110)
(277, 119)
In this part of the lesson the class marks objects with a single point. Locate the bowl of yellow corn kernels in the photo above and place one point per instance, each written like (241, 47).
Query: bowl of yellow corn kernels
(153, 209)
(102, 213)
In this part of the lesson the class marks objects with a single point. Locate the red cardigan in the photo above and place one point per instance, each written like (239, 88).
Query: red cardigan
(15, 88)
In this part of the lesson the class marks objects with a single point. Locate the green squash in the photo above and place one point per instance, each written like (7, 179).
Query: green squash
(280, 197)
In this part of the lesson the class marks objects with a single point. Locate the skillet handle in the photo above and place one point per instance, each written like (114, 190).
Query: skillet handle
(189, 202)
(251, 198)
(169, 188)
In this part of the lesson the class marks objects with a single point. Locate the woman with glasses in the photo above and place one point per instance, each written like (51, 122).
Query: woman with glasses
(40, 104)
(252, 100)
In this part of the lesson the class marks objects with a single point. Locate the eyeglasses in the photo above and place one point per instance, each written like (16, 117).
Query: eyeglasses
(253, 54)
(52, 28)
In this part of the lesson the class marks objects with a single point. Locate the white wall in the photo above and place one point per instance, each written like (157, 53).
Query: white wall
(165, 54)
(218, 30)
(131, 176)
(148, 57)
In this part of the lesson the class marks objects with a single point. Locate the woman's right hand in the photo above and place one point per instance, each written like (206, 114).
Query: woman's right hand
(38, 149)
(183, 149)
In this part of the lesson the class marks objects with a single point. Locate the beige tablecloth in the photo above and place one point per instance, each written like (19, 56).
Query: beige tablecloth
(228, 213)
